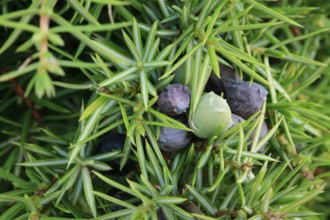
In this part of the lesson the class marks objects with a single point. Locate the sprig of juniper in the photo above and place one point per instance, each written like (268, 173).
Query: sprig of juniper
(98, 65)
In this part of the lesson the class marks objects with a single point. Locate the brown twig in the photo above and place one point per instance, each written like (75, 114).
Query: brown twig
(20, 91)
(44, 27)
(28, 102)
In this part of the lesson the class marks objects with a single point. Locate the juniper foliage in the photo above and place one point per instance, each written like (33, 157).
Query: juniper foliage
(74, 70)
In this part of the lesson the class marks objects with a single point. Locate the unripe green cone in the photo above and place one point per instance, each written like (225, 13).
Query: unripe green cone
(212, 114)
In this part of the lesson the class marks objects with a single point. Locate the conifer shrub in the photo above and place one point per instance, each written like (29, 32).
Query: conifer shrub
(80, 82)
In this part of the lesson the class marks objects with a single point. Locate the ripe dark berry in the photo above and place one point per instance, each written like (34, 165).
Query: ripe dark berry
(171, 139)
(264, 130)
(110, 142)
(245, 99)
(114, 142)
(236, 119)
(174, 99)
(228, 76)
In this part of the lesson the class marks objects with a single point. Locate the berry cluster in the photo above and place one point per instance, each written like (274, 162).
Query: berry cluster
(214, 114)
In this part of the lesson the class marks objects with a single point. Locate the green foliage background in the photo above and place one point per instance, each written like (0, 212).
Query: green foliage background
(73, 70)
